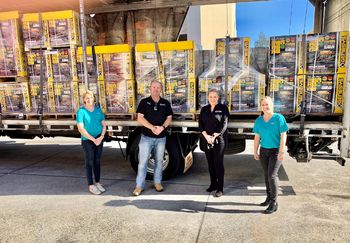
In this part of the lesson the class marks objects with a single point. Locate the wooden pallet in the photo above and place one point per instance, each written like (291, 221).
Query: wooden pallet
(50, 48)
(51, 116)
(16, 79)
(121, 116)
(185, 116)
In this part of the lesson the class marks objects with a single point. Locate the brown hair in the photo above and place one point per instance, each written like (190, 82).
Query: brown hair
(90, 93)
(215, 91)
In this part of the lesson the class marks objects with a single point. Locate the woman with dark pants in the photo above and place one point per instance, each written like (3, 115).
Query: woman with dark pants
(213, 120)
(92, 126)
(270, 132)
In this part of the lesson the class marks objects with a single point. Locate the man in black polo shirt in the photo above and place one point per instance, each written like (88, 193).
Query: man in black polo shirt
(155, 114)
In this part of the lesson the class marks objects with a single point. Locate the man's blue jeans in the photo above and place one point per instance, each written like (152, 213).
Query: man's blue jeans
(145, 148)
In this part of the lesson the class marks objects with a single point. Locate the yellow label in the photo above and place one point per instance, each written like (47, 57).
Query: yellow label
(246, 56)
(300, 90)
(52, 106)
(26, 97)
(192, 95)
(75, 89)
(73, 62)
(130, 91)
(100, 67)
(102, 93)
(343, 50)
(339, 95)
(191, 64)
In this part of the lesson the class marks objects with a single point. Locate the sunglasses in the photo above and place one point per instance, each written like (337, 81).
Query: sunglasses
(155, 107)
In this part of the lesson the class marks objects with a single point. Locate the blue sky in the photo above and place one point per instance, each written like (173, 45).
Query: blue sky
(273, 18)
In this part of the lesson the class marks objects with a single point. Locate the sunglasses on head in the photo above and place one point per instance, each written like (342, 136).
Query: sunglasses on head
(155, 107)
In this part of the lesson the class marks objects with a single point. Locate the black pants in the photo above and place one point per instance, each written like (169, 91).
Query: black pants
(270, 165)
(215, 157)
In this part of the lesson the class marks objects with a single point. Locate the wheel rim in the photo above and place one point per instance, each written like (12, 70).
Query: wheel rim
(151, 161)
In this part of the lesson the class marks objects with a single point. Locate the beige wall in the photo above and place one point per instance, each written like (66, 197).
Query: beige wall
(214, 23)
(337, 15)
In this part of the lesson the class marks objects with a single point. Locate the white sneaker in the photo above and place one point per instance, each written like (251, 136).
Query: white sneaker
(95, 191)
(100, 188)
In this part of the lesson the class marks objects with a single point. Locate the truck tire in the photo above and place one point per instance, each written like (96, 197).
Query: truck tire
(235, 146)
(171, 162)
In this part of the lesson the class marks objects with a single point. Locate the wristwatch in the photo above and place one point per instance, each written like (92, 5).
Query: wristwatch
(163, 127)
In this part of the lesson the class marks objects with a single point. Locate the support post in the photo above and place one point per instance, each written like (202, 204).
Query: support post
(83, 42)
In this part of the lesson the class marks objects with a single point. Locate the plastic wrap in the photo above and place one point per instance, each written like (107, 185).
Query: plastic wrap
(61, 64)
(92, 87)
(32, 35)
(80, 64)
(12, 61)
(179, 65)
(239, 56)
(63, 97)
(14, 97)
(61, 28)
(282, 90)
(33, 60)
(34, 87)
(258, 59)
(11, 29)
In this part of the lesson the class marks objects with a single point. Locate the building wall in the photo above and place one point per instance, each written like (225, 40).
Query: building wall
(337, 15)
(214, 23)
(193, 24)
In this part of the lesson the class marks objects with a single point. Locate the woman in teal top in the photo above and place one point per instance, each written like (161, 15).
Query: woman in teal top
(92, 127)
(271, 133)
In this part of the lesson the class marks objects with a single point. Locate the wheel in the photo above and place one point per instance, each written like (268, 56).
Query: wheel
(171, 161)
(235, 146)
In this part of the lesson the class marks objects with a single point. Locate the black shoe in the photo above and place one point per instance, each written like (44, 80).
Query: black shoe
(212, 188)
(267, 202)
(272, 207)
(218, 194)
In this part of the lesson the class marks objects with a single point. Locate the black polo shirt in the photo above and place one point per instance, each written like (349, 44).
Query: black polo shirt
(154, 116)
(214, 122)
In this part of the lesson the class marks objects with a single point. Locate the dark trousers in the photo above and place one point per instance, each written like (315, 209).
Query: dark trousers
(215, 157)
(92, 154)
(270, 165)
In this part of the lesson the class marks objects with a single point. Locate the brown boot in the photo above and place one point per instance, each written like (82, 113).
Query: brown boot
(137, 191)
(158, 187)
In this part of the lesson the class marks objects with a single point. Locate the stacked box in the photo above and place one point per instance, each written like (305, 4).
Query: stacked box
(33, 60)
(14, 97)
(325, 70)
(283, 55)
(92, 88)
(63, 97)
(34, 87)
(239, 55)
(177, 71)
(259, 59)
(282, 90)
(61, 64)
(208, 82)
(13, 61)
(207, 56)
(80, 63)
(326, 53)
(11, 28)
(33, 35)
(61, 28)
(247, 92)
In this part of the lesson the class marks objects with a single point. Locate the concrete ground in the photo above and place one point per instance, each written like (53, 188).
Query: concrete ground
(44, 198)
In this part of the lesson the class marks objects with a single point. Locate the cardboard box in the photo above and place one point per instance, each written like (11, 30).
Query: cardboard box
(283, 55)
(62, 101)
(61, 65)
(11, 28)
(326, 53)
(61, 28)
(13, 61)
(259, 59)
(206, 84)
(283, 93)
(33, 60)
(247, 92)
(90, 64)
(14, 97)
(33, 35)
(34, 87)
(239, 56)
(115, 62)
(120, 96)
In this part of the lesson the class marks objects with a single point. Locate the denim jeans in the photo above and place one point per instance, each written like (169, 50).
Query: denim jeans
(145, 148)
(92, 154)
(270, 165)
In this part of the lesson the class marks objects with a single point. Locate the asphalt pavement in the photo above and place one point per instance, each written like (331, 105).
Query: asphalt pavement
(44, 198)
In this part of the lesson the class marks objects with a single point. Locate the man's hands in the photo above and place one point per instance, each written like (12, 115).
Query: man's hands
(157, 129)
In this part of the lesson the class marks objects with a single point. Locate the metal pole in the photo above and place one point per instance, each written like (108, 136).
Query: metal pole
(83, 42)
(227, 53)
(40, 108)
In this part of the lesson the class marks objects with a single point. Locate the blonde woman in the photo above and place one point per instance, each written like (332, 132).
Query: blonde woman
(92, 127)
(270, 133)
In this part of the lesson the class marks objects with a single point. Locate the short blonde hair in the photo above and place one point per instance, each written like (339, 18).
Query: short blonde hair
(268, 100)
(90, 93)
